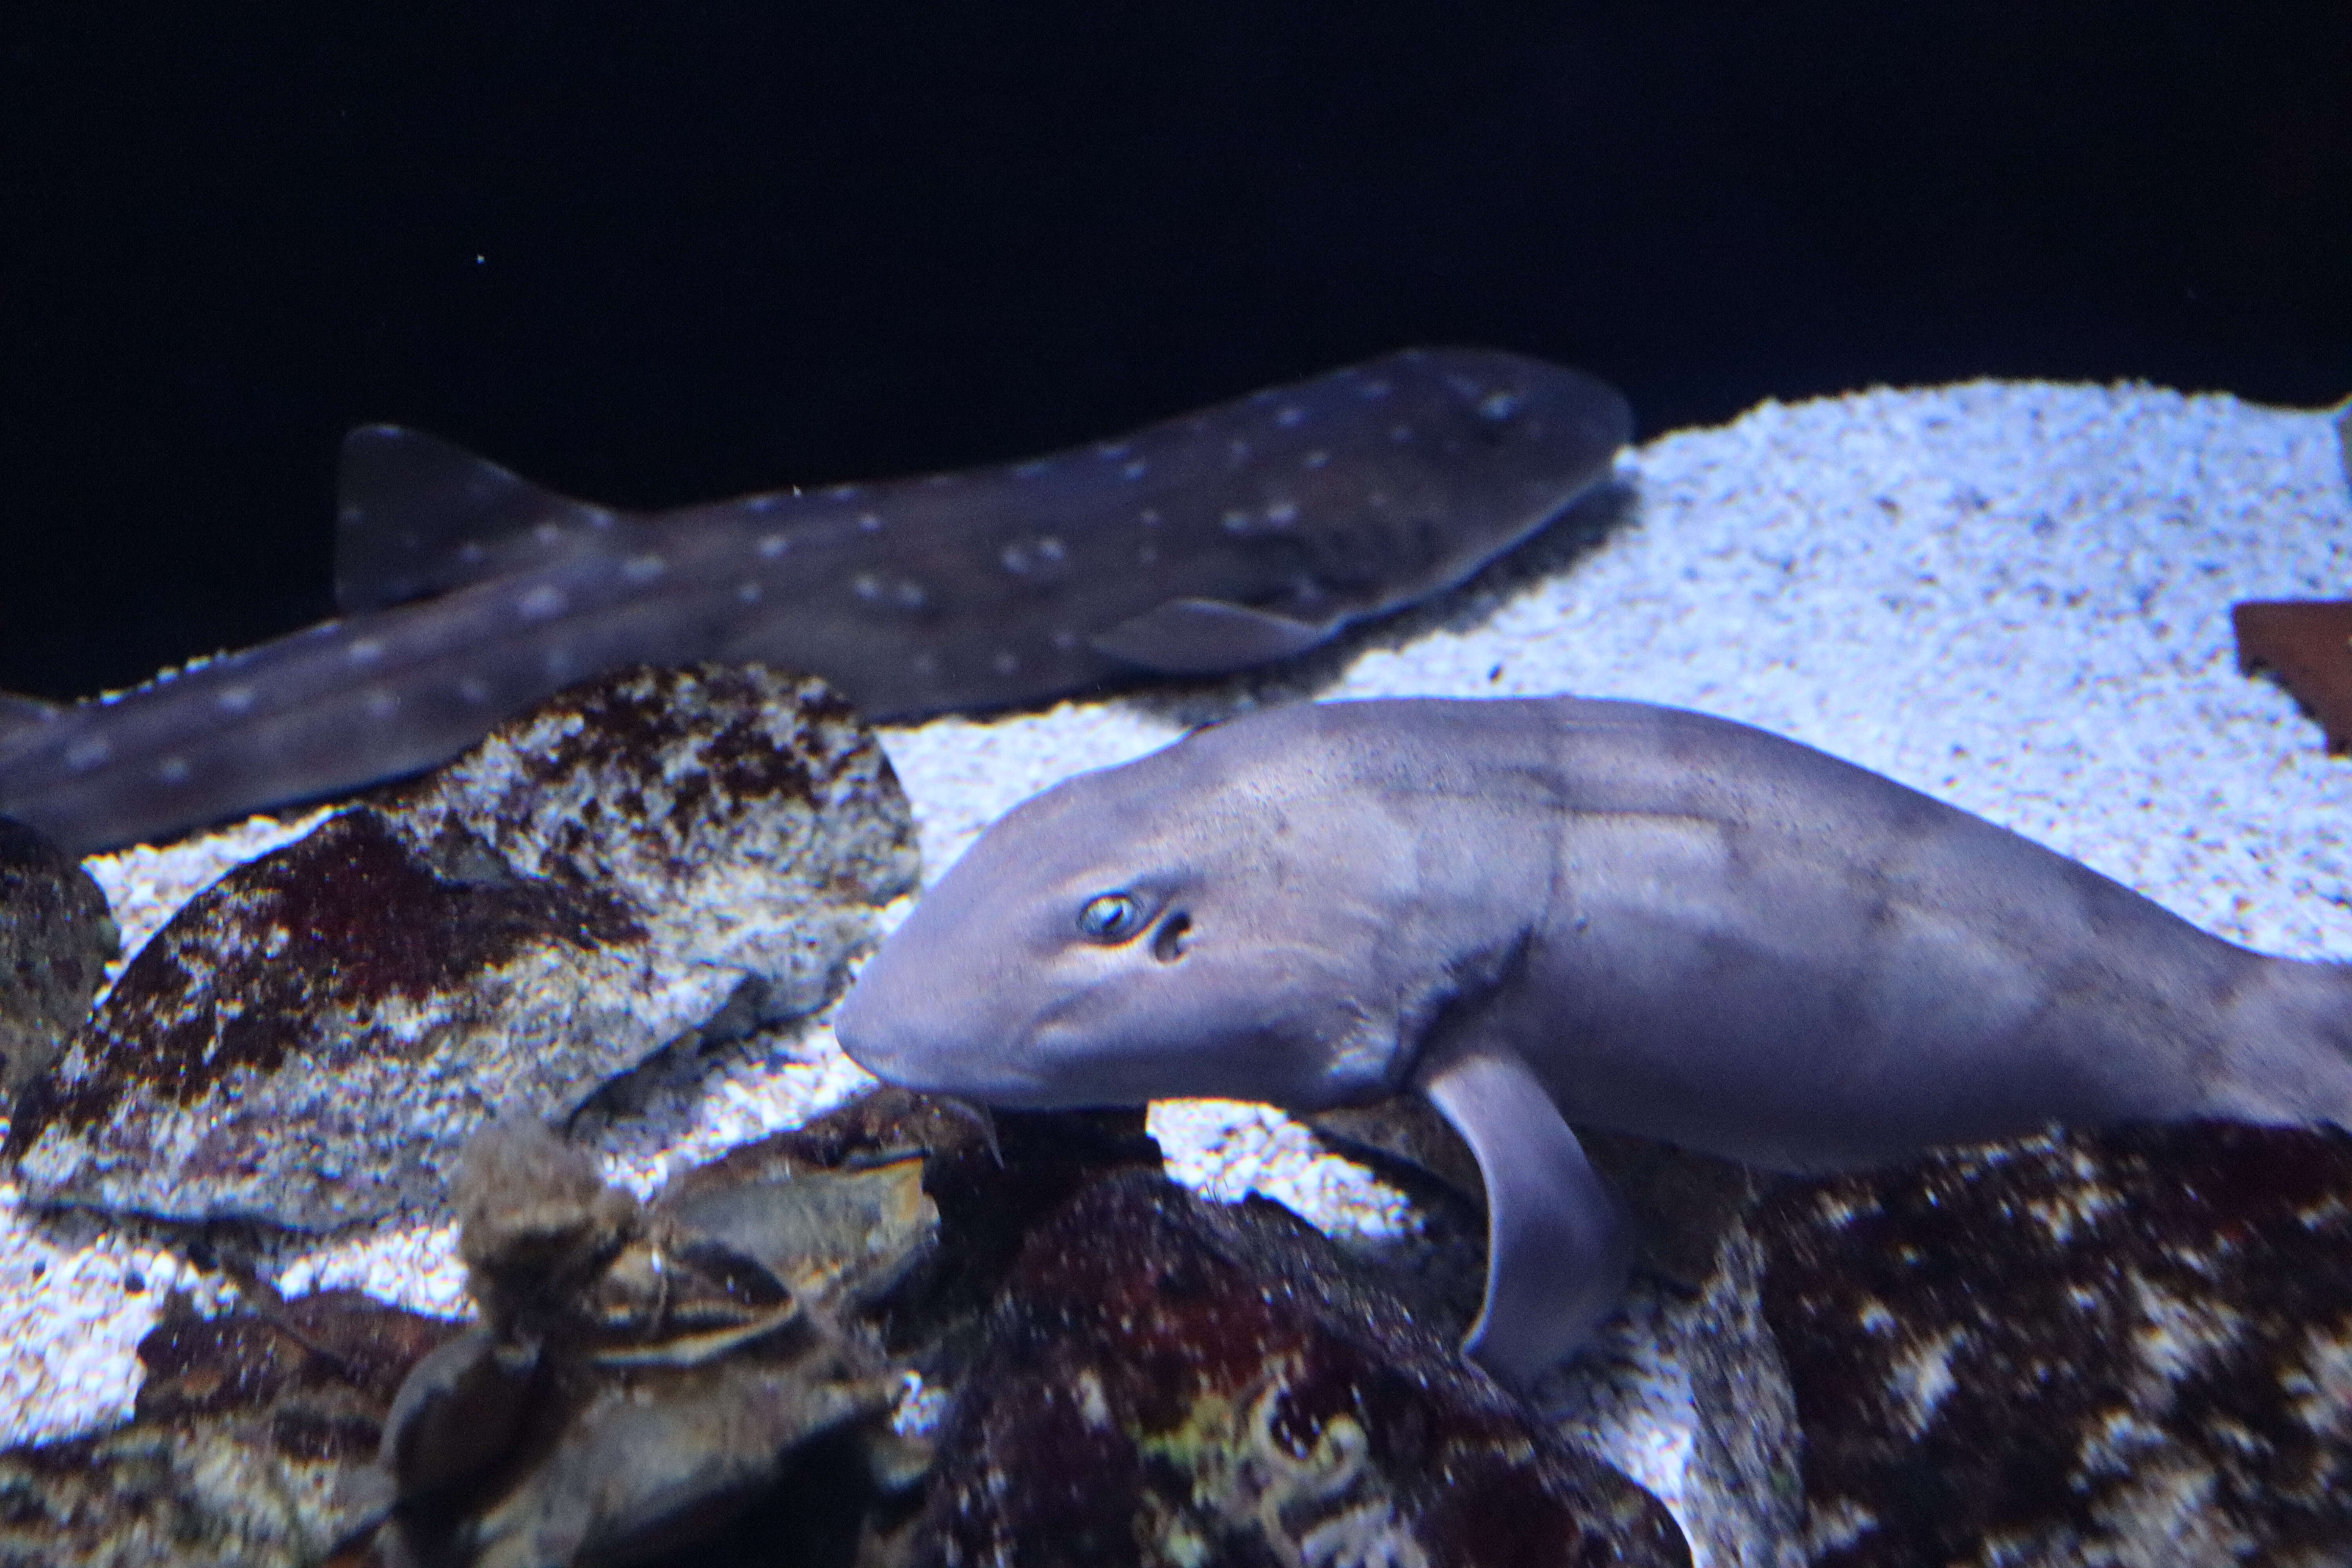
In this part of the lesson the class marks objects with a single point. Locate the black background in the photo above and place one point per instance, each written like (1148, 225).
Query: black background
(651, 254)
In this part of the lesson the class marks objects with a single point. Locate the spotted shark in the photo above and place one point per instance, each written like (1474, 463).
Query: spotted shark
(1228, 538)
(1543, 912)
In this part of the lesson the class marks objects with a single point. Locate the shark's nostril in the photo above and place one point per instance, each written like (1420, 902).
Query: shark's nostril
(1174, 938)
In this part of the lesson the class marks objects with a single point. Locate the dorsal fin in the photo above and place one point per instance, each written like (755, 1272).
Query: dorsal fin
(416, 515)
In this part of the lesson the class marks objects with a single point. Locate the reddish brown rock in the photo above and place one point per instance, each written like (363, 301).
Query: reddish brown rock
(2131, 1348)
(651, 859)
(2307, 645)
(1173, 1382)
(246, 1431)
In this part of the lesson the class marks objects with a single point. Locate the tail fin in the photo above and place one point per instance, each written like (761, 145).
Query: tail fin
(417, 516)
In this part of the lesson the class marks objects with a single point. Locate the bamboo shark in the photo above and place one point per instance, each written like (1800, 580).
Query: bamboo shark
(1540, 912)
(1241, 534)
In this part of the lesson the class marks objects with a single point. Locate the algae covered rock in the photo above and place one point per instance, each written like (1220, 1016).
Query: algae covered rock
(650, 861)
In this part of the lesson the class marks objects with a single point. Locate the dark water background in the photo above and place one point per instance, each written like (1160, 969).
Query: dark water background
(658, 253)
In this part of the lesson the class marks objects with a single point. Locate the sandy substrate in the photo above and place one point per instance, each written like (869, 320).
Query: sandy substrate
(2014, 596)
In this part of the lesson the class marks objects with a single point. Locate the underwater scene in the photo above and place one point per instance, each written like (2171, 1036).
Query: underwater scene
(1453, 867)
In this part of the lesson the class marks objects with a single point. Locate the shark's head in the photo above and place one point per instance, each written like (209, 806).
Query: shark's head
(1213, 920)
(1518, 438)
(1462, 453)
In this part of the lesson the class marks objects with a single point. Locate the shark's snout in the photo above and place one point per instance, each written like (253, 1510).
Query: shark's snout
(907, 1025)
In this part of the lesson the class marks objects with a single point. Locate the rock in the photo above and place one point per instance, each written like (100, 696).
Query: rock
(247, 1431)
(1171, 1382)
(2303, 644)
(2130, 1348)
(652, 860)
(55, 939)
(644, 1371)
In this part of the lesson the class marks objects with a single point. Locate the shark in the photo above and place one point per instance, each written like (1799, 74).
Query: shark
(1539, 913)
(1227, 538)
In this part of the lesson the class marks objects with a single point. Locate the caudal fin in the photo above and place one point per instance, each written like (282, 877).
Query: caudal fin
(417, 515)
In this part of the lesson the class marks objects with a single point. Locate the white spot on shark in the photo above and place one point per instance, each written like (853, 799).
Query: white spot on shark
(173, 770)
(236, 698)
(1400, 431)
(1006, 662)
(1065, 640)
(472, 553)
(1290, 415)
(548, 534)
(1236, 522)
(364, 650)
(1148, 556)
(1034, 557)
(544, 602)
(1499, 404)
(1282, 513)
(1373, 390)
(870, 523)
(1034, 468)
(1111, 450)
(1135, 469)
(842, 492)
(1315, 459)
(1149, 516)
(1237, 452)
(643, 569)
(773, 545)
(379, 703)
(747, 591)
(87, 753)
(763, 503)
(474, 688)
(867, 587)
(560, 665)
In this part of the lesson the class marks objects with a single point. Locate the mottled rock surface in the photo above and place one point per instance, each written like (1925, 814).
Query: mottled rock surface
(654, 861)
(54, 941)
(733, 1372)
(1181, 1382)
(247, 1429)
(2130, 1348)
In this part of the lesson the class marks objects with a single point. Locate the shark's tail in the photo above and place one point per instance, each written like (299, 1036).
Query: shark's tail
(2290, 1047)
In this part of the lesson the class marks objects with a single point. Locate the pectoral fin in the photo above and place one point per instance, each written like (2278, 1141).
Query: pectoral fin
(1557, 1243)
(1206, 636)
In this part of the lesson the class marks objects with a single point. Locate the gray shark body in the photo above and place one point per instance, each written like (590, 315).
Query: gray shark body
(1539, 912)
(1210, 542)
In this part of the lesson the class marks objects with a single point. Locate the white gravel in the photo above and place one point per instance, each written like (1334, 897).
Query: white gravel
(2012, 595)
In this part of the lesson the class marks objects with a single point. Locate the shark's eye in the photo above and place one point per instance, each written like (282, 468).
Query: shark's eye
(1111, 917)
